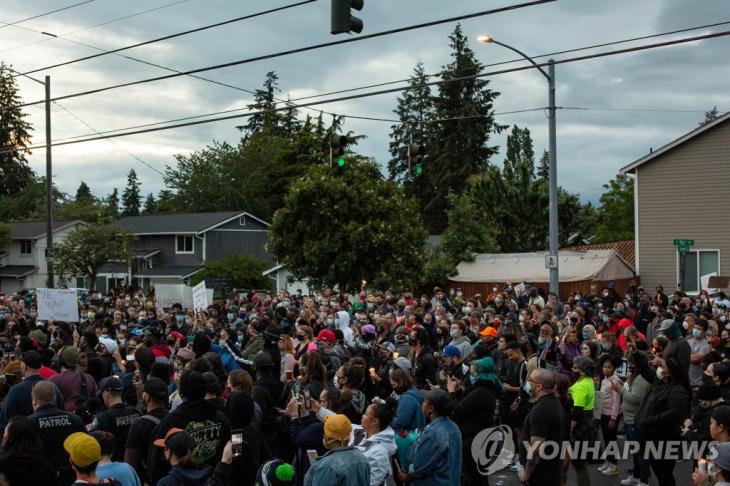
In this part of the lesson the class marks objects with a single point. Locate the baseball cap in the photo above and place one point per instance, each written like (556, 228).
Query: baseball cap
(488, 331)
(337, 427)
(326, 335)
(176, 441)
(262, 359)
(82, 448)
(112, 384)
(33, 360)
(156, 388)
(38, 335)
(185, 354)
(722, 456)
(666, 324)
(68, 356)
(388, 345)
(451, 351)
(403, 363)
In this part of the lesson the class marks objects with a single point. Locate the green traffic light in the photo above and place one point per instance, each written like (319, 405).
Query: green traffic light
(419, 169)
(341, 162)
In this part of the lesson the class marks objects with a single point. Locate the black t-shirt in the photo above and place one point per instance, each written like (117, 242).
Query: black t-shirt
(547, 419)
(140, 437)
(117, 419)
(54, 426)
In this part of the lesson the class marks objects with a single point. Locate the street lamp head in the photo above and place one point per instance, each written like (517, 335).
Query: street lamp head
(486, 39)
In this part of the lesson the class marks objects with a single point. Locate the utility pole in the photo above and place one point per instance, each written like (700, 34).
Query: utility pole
(553, 183)
(49, 188)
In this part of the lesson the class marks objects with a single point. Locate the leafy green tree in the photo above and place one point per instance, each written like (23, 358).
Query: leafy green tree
(464, 108)
(616, 214)
(131, 198)
(86, 248)
(29, 203)
(348, 225)
(245, 270)
(5, 239)
(15, 132)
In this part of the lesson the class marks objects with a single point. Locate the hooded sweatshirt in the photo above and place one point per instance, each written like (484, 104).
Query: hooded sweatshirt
(343, 324)
(183, 476)
(378, 449)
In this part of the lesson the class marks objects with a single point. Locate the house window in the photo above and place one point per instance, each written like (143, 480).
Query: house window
(184, 244)
(698, 263)
(242, 220)
(26, 247)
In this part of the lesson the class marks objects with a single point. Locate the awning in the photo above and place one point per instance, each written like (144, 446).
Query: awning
(17, 271)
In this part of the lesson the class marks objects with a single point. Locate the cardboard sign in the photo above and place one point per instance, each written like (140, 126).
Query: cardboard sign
(57, 304)
(200, 297)
(168, 294)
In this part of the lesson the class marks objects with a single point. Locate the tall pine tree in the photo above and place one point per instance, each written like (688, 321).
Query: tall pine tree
(264, 104)
(150, 205)
(84, 195)
(465, 112)
(131, 199)
(111, 206)
(15, 132)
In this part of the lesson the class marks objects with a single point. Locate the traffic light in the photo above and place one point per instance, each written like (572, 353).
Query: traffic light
(417, 151)
(343, 22)
(338, 143)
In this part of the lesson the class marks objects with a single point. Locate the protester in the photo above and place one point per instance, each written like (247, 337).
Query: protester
(342, 464)
(22, 460)
(106, 469)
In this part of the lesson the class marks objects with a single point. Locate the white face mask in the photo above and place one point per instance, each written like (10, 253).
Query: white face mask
(685, 325)
(659, 373)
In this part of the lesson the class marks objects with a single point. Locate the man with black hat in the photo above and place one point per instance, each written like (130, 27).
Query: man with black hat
(18, 400)
(154, 397)
(54, 426)
(208, 427)
(118, 417)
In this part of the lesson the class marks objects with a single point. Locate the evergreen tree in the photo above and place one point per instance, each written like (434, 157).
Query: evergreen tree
(15, 132)
(711, 115)
(131, 199)
(460, 142)
(150, 205)
(84, 196)
(265, 102)
(111, 206)
(543, 168)
(415, 110)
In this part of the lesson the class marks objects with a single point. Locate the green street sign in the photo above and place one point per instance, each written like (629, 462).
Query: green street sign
(683, 249)
(683, 242)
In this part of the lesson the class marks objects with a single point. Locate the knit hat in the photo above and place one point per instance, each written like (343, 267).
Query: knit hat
(68, 356)
(275, 473)
(451, 351)
(193, 385)
(109, 344)
(82, 448)
(39, 336)
(337, 427)
(368, 329)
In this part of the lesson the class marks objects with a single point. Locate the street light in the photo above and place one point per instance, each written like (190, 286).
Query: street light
(49, 179)
(553, 172)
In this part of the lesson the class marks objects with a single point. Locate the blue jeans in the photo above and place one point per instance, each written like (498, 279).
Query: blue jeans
(641, 465)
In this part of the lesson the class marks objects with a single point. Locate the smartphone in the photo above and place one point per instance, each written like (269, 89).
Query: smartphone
(237, 442)
(312, 455)
(307, 399)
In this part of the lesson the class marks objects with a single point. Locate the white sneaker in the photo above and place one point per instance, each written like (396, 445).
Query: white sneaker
(611, 470)
(630, 481)
(603, 466)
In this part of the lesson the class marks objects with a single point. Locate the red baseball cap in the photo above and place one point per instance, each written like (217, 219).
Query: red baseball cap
(326, 335)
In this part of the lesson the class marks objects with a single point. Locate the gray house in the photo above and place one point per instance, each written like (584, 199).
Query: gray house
(170, 249)
(680, 193)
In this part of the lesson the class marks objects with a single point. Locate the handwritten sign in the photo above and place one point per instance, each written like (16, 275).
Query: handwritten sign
(200, 297)
(168, 294)
(58, 304)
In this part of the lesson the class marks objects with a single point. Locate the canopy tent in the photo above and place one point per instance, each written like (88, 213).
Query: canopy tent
(577, 270)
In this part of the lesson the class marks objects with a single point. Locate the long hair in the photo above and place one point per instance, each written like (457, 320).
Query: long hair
(23, 439)
(314, 370)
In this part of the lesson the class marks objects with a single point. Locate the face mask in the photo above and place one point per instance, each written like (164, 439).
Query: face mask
(331, 322)
(577, 297)
(498, 301)
(685, 325)
(188, 321)
(528, 388)
(659, 373)
(542, 340)
(453, 333)
(606, 346)
(230, 316)
(90, 315)
(696, 333)
(472, 379)
(605, 294)
(522, 318)
(240, 338)
(604, 318)
(179, 318)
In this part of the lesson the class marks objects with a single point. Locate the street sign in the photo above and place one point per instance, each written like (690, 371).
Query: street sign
(551, 261)
(683, 249)
(683, 242)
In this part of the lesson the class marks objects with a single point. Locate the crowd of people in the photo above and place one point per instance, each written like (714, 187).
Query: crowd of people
(369, 388)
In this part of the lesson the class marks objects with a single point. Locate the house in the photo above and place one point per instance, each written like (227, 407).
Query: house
(169, 249)
(680, 193)
(23, 264)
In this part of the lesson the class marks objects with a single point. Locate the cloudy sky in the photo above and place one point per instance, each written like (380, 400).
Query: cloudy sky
(682, 82)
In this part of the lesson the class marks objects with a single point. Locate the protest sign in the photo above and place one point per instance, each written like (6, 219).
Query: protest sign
(200, 297)
(57, 304)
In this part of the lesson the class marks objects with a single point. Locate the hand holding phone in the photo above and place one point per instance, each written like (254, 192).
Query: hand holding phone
(237, 442)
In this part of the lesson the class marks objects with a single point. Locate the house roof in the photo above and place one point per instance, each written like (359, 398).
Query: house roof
(190, 223)
(625, 248)
(674, 143)
(32, 230)
(17, 271)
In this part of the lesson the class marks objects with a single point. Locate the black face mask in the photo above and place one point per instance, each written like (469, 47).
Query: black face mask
(707, 380)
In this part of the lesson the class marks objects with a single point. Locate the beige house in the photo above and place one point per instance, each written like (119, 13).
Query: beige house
(681, 192)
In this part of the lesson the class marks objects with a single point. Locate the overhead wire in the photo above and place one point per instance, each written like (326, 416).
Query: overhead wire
(393, 90)
(294, 51)
(172, 36)
(67, 7)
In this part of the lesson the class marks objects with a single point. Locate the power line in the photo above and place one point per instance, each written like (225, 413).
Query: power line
(295, 51)
(172, 36)
(394, 90)
(114, 142)
(47, 13)
(656, 110)
(51, 36)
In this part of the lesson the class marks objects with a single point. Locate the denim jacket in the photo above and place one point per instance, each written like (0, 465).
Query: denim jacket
(435, 457)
